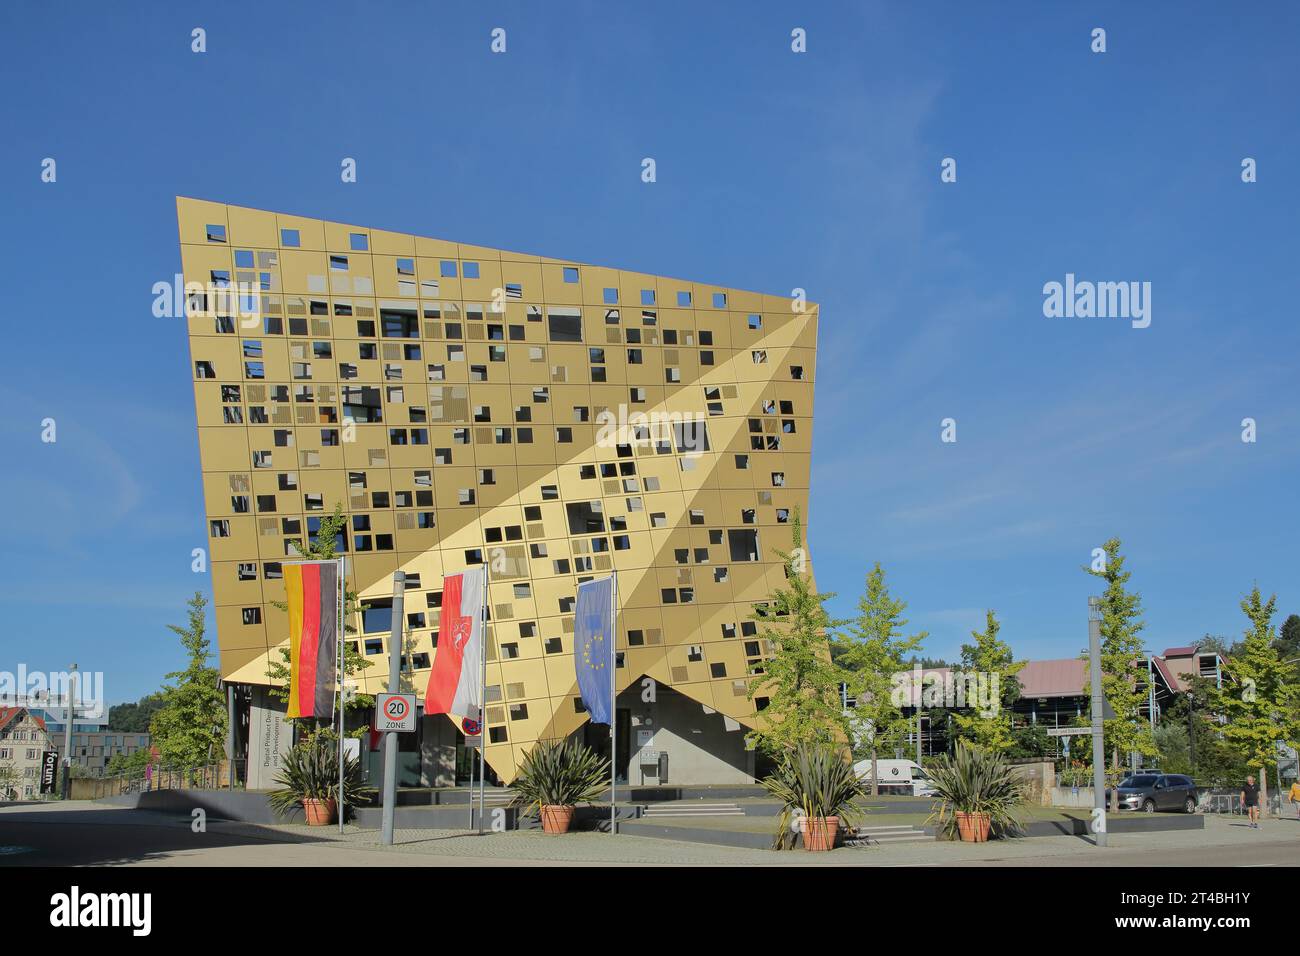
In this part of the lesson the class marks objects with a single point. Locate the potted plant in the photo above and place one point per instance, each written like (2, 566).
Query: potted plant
(979, 794)
(309, 777)
(816, 785)
(554, 778)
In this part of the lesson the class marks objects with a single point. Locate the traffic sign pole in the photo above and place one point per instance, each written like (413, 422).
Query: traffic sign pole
(394, 687)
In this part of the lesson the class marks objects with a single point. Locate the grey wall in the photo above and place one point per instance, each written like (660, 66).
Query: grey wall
(437, 752)
(270, 737)
(700, 749)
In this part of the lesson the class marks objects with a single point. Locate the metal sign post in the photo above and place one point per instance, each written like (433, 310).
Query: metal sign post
(394, 686)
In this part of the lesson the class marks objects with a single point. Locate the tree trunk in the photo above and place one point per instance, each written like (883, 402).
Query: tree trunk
(1263, 791)
(875, 775)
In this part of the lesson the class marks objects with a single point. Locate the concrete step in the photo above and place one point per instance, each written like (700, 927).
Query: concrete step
(879, 835)
(670, 810)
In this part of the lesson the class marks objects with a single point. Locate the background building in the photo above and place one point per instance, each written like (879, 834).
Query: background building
(456, 399)
(23, 741)
(1054, 694)
(92, 751)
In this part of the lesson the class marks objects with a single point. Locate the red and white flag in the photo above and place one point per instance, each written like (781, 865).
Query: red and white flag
(455, 685)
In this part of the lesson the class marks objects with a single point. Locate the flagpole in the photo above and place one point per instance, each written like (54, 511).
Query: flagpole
(342, 626)
(470, 801)
(613, 699)
(482, 703)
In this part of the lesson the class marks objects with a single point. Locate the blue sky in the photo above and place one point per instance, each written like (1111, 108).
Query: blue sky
(775, 171)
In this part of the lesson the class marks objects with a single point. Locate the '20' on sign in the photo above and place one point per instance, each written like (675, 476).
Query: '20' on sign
(395, 712)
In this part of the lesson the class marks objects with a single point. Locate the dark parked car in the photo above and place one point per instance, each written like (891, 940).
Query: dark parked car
(1157, 791)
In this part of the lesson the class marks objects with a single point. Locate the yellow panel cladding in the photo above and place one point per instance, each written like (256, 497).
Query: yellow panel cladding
(417, 383)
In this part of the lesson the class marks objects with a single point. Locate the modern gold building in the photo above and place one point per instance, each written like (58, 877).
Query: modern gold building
(557, 419)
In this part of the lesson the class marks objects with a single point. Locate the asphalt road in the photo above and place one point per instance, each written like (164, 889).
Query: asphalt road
(90, 835)
(1266, 853)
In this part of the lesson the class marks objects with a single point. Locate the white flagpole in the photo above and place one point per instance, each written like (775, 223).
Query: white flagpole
(613, 698)
(342, 590)
(469, 803)
(482, 702)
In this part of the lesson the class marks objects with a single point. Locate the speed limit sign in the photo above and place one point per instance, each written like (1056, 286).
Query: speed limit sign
(395, 712)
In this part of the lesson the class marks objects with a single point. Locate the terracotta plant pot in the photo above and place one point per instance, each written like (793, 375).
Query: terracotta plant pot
(556, 819)
(819, 833)
(973, 827)
(319, 813)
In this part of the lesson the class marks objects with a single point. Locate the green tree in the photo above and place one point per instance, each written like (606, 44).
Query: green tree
(871, 654)
(988, 724)
(1213, 761)
(325, 548)
(799, 679)
(1288, 642)
(189, 728)
(11, 782)
(1121, 647)
(134, 717)
(1171, 740)
(127, 763)
(1031, 740)
(1260, 705)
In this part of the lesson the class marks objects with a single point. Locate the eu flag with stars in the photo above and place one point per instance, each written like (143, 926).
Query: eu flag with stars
(593, 646)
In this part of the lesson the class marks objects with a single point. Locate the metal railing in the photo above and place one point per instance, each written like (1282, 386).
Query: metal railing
(211, 776)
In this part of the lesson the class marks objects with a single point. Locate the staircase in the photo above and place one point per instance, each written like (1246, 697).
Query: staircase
(692, 808)
(888, 836)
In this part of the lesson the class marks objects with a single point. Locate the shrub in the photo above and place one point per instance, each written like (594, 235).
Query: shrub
(815, 781)
(976, 780)
(559, 773)
(310, 771)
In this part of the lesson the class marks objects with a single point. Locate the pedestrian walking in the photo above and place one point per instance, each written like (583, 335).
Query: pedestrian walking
(1250, 800)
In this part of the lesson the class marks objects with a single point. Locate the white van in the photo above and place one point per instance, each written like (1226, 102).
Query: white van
(906, 774)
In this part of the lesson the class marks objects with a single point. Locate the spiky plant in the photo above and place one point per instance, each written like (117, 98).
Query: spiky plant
(310, 771)
(976, 780)
(559, 773)
(814, 781)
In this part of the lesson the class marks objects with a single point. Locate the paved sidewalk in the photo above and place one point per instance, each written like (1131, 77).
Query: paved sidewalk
(83, 833)
(600, 848)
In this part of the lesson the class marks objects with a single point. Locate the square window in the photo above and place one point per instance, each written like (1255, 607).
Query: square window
(290, 238)
(215, 233)
(719, 300)
(647, 296)
(570, 274)
(683, 299)
(755, 321)
(447, 269)
(469, 270)
(358, 242)
(611, 298)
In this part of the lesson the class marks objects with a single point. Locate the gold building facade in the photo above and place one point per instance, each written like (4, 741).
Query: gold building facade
(556, 419)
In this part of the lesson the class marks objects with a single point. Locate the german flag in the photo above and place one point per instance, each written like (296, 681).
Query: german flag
(313, 595)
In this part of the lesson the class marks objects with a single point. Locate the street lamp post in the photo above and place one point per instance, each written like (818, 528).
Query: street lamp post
(69, 712)
(1098, 747)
